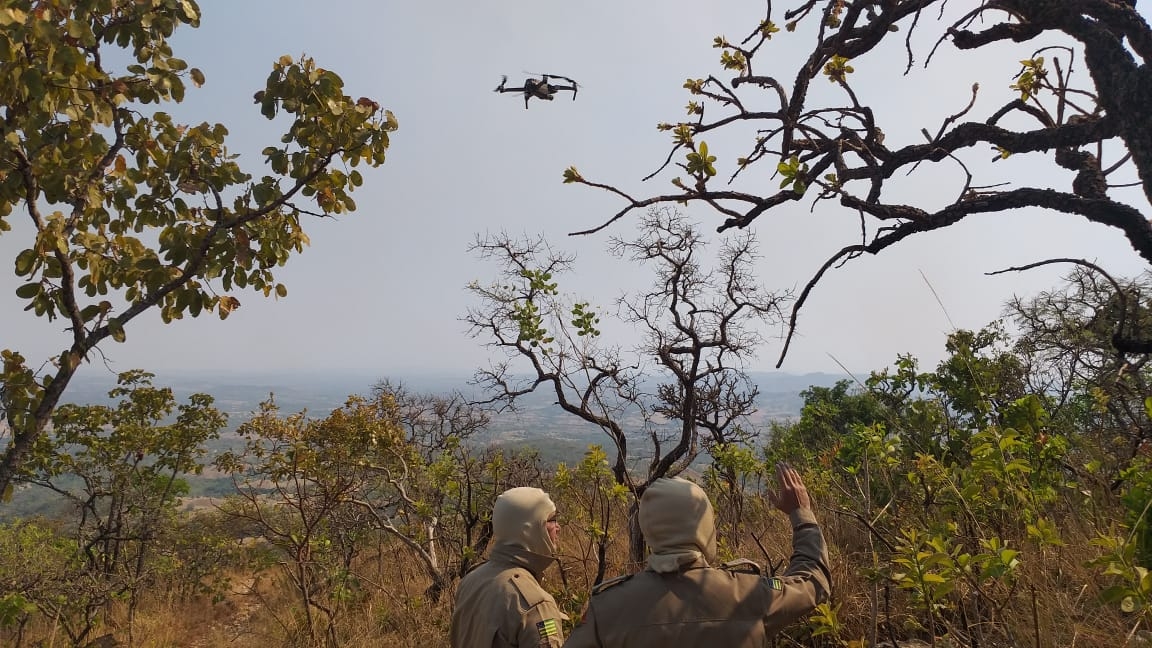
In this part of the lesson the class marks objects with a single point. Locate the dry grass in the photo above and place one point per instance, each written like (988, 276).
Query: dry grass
(1055, 602)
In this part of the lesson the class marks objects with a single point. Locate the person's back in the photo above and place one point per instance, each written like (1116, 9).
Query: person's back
(500, 604)
(680, 599)
(505, 607)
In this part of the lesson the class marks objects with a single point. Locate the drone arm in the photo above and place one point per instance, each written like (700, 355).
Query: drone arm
(557, 76)
(572, 87)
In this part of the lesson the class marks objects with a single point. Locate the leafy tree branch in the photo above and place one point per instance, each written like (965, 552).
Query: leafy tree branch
(132, 211)
(831, 152)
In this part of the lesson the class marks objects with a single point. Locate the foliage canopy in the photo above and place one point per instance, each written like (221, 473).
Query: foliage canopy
(132, 211)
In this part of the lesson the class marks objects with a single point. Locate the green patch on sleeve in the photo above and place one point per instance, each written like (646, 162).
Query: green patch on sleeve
(548, 628)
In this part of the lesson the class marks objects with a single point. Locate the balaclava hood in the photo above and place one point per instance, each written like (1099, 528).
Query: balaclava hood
(518, 520)
(678, 524)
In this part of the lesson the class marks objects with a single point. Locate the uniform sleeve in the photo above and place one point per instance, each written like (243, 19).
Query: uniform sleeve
(807, 582)
(584, 634)
(542, 626)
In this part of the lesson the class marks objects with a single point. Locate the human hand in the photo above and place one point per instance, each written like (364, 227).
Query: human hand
(790, 493)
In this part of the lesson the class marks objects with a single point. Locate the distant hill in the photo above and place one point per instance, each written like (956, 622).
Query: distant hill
(536, 423)
(239, 394)
(784, 382)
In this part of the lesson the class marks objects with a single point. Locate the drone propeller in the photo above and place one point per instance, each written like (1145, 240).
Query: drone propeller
(544, 88)
(553, 76)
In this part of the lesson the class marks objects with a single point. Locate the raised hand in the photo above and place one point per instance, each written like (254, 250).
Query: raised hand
(790, 493)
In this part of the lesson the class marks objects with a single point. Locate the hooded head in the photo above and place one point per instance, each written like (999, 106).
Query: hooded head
(678, 524)
(519, 519)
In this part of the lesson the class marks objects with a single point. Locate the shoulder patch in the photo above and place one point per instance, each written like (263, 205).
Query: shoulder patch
(743, 566)
(610, 583)
(529, 589)
(776, 584)
(547, 628)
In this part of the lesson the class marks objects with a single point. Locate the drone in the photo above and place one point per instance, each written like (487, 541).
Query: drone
(542, 88)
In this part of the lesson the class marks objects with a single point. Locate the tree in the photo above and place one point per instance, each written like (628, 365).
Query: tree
(591, 499)
(1067, 341)
(39, 572)
(450, 485)
(133, 212)
(828, 414)
(684, 391)
(121, 468)
(453, 500)
(961, 485)
(310, 489)
(392, 467)
(828, 149)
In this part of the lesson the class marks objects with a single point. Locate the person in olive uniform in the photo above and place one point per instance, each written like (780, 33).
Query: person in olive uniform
(681, 599)
(500, 603)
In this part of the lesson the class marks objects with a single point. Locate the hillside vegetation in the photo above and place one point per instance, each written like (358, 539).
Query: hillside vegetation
(999, 499)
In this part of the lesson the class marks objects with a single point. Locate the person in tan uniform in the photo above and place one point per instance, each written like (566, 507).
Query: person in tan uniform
(500, 604)
(681, 599)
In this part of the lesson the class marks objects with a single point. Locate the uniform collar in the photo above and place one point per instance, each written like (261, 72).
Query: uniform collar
(676, 561)
(521, 557)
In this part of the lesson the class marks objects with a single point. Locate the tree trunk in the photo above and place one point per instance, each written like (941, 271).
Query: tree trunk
(637, 548)
(24, 435)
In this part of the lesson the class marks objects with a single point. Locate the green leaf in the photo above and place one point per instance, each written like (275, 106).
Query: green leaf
(116, 329)
(33, 82)
(12, 16)
(190, 10)
(226, 305)
(572, 175)
(25, 262)
(28, 290)
(837, 68)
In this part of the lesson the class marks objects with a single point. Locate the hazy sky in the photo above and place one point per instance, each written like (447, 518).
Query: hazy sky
(383, 289)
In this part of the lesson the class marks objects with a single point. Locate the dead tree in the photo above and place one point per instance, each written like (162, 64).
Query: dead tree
(684, 382)
(1093, 125)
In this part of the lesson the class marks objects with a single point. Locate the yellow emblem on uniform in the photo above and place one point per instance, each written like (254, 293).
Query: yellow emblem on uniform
(776, 584)
(548, 628)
